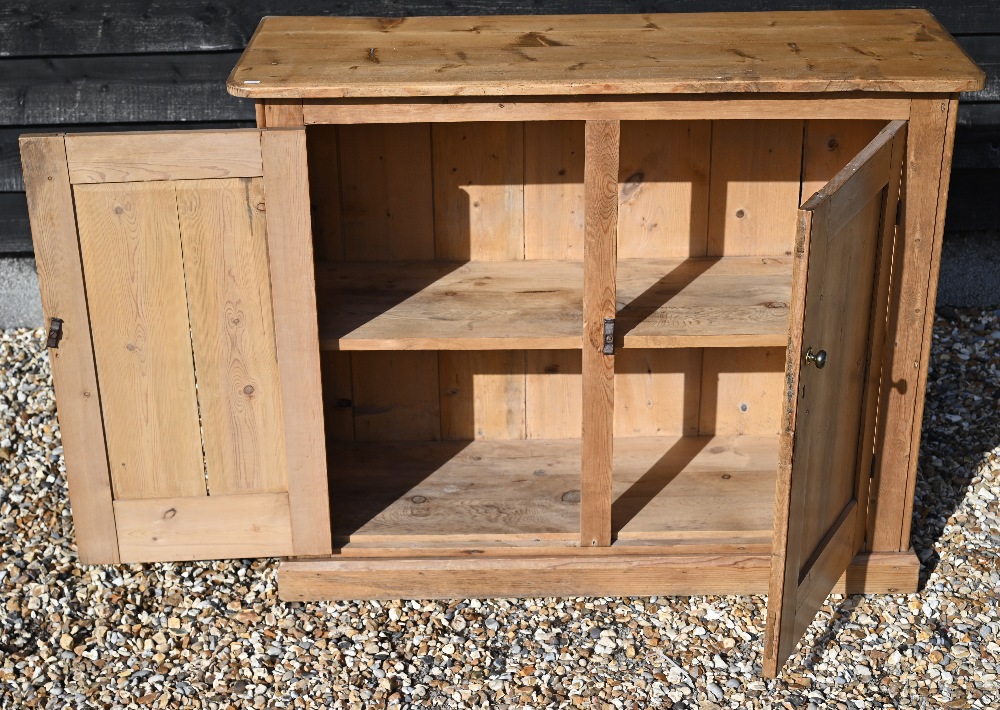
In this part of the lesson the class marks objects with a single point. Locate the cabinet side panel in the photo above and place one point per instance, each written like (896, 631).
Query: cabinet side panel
(479, 190)
(482, 394)
(663, 188)
(74, 375)
(915, 264)
(324, 192)
(756, 169)
(386, 195)
(338, 395)
(934, 270)
(131, 247)
(229, 297)
(553, 190)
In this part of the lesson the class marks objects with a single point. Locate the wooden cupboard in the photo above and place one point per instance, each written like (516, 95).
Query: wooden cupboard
(516, 306)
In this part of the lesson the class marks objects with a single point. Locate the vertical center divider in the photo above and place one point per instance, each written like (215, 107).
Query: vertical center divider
(600, 256)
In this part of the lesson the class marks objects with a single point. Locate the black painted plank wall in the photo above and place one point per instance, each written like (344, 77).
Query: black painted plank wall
(72, 65)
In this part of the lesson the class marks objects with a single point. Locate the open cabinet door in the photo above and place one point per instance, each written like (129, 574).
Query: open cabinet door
(837, 332)
(177, 281)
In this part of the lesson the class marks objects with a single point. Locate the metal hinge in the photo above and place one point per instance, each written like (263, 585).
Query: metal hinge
(55, 333)
(609, 336)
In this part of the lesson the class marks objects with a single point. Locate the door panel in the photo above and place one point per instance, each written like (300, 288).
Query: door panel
(132, 266)
(844, 239)
(194, 376)
(224, 240)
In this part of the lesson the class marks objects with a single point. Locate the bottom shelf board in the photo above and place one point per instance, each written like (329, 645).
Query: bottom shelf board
(668, 491)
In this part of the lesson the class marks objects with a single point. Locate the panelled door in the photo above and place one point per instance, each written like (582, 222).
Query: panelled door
(838, 320)
(177, 284)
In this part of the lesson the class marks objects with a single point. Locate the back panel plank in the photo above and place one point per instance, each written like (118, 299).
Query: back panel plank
(553, 394)
(482, 394)
(131, 249)
(657, 391)
(229, 297)
(828, 146)
(386, 192)
(479, 190)
(396, 396)
(756, 168)
(553, 190)
(741, 391)
(663, 188)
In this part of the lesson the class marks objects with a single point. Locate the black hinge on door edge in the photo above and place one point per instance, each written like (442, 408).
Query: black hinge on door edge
(55, 333)
(609, 336)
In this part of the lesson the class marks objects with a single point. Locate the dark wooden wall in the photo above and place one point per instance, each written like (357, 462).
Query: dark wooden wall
(84, 65)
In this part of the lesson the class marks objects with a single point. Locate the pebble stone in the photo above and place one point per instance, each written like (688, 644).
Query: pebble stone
(215, 635)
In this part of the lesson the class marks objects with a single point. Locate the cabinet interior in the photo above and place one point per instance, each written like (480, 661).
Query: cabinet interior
(449, 288)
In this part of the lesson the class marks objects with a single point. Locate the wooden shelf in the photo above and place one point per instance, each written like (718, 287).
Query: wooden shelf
(712, 492)
(536, 304)
(734, 301)
(427, 305)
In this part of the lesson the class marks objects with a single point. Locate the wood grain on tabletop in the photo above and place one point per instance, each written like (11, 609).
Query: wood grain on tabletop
(877, 50)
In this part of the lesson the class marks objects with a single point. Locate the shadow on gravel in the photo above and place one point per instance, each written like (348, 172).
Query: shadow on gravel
(961, 425)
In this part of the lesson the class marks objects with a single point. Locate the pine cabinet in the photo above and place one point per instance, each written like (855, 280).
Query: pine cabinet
(516, 306)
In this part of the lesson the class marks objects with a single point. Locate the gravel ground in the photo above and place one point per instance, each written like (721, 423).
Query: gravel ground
(216, 636)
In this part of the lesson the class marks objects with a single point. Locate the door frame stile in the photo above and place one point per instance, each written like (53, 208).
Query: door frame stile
(52, 215)
(296, 333)
(786, 443)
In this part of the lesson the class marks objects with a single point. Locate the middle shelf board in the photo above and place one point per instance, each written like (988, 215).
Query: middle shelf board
(537, 304)
(667, 490)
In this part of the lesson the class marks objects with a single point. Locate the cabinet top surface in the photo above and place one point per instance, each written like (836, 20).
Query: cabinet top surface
(508, 55)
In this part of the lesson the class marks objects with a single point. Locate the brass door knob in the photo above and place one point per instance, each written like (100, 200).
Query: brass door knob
(817, 359)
